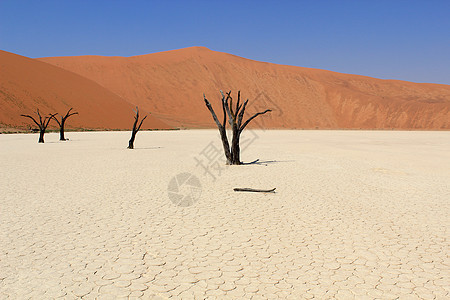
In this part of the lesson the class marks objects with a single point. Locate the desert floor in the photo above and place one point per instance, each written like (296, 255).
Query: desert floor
(362, 214)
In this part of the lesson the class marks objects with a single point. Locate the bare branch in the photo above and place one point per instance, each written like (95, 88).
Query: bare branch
(136, 118)
(227, 108)
(212, 112)
(241, 114)
(231, 104)
(28, 116)
(48, 119)
(237, 105)
(254, 190)
(222, 127)
(74, 113)
(237, 110)
(224, 124)
(136, 111)
(67, 114)
(56, 119)
(40, 118)
(254, 116)
(140, 124)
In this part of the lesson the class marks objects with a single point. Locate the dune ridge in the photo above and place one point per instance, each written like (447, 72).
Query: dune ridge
(171, 85)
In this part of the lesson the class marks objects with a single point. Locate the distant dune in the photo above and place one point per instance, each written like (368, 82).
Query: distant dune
(27, 84)
(171, 84)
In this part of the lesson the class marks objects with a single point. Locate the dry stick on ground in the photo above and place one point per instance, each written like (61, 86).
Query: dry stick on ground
(254, 190)
(63, 121)
(135, 128)
(235, 117)
(42, 124)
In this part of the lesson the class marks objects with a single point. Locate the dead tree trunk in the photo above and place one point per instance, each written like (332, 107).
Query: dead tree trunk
(135, 129)
(42, 124)
(62, 123)
(222, 127)
(41, 136)
(235, 116)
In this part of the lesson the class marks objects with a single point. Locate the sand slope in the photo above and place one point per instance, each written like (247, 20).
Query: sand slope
(27, 84)
(171, 84)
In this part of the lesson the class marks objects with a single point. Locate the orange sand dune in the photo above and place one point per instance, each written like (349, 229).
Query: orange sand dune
(27, 84)
(171, 85)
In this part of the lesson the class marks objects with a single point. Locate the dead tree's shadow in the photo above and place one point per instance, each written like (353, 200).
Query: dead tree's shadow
(148, 148)
(265, 162)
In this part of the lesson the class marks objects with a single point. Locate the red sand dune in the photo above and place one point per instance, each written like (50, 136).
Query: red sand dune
(27, 84)
(171, 84)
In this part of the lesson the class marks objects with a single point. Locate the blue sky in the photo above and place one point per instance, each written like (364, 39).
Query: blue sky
(394, 39)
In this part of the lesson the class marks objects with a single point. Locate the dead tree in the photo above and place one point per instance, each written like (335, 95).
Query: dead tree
(42, 124)
(62, 123)
(235, 116)
(135, 128)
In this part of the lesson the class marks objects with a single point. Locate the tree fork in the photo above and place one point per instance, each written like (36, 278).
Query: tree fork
(62, 123)
(42, 124)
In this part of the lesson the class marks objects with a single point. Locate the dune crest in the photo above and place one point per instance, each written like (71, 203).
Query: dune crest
(171, 84)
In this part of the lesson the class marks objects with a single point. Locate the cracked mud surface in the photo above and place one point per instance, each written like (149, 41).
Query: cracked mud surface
(356, 215)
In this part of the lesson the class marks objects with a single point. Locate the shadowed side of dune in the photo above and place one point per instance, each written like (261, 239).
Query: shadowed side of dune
(27, 84)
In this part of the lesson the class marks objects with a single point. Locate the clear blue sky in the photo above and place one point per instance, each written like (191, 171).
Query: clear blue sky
(391, 39)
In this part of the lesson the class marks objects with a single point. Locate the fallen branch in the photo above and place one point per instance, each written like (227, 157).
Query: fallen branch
(254, 190)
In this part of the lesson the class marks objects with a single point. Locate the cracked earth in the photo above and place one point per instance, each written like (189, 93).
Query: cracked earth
(360, 215)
